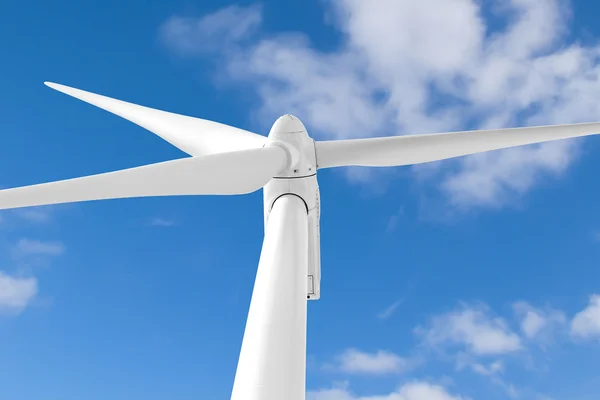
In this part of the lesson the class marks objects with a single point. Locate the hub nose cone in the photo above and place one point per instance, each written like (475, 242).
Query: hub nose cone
(287, 124)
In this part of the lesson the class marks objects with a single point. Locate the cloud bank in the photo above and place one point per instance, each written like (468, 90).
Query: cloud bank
(511, 63)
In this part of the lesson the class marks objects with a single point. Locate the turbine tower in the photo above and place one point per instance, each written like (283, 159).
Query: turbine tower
(225, 161)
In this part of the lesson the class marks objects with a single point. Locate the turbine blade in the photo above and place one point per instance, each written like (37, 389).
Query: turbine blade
(416, 149)
(195, 136)
(237, 172)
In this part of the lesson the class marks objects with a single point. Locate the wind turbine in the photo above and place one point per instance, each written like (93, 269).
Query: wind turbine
(226, 161)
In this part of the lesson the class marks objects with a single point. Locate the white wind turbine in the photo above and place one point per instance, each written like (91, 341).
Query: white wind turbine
(225, 161)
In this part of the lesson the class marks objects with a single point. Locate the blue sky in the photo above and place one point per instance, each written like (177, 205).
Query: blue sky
(472, 278)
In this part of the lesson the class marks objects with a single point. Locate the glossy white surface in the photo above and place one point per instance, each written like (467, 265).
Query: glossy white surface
(272, 363)
(300, 180)
(195, 136)
(226, 173)
(416, 149)
(290, 131)
(307, 189)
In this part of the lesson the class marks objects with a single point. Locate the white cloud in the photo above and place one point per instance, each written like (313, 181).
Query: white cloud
(215, 31)
(535, 322)
(30, 247)
(494, 179)
(411, 391)
(493, 371)
(532, 323)
(162, 222)
(391, 309)
(16, 293)
(494, 368)
(394, 74)
(473, 328)
(35, 214)
(393, 221)
(586, 323)
(381, 362)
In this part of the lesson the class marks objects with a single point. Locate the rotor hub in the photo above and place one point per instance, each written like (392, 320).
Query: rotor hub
(289, 133)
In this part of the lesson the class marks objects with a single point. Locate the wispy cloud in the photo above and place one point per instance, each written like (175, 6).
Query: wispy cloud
(388, 312)
(536, 323)
(415, 390)
(32, 247)
(217, 31)
(16, 293)
(494, 371)
(35, 214)
(162, 222)
(473, 329)
(465, 73)
(354, 361)
(392, 224)
(391, 309)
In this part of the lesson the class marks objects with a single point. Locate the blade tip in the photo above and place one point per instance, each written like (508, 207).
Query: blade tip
(58, 86)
